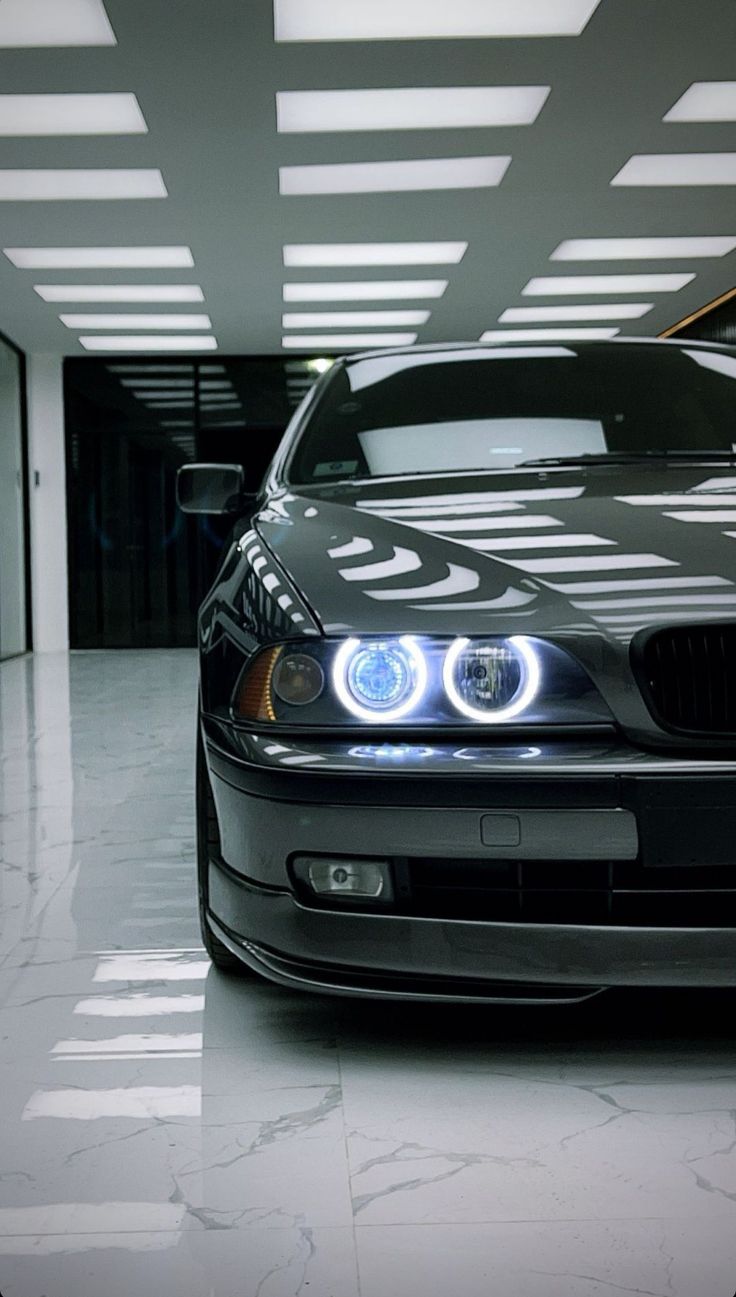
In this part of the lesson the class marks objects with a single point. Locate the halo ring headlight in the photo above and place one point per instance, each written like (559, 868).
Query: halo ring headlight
(526, 689)
(380, 679)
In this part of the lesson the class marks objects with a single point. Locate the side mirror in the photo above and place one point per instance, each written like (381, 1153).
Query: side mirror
(210, 488)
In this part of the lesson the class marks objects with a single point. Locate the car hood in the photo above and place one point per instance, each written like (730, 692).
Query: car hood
(600, 551)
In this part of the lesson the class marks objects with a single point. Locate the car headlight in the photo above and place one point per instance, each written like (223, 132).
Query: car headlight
(380, 679)
(491, 681)
(417, 681)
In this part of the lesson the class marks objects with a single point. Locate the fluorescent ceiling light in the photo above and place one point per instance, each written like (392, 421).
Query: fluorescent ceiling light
(594, 311)
(347, 341)
(429, 108)
(534, 335)
(69, 114)
(156, 342)
(27, 23)
(560, 285)
(351, 319)
(100, 258)
(119, 292)
(705, 101)
(393, 177)
(112, 321)
(643, 249)
(47, 185)
(678, 169)
(373, 254)
(356, 20)
(370, 290)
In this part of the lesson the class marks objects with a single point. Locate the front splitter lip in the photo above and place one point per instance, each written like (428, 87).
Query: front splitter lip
(302, 975)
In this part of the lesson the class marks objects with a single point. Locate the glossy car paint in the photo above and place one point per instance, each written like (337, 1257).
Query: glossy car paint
(636, 546)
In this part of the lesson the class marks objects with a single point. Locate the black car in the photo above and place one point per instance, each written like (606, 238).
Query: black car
(468, 678)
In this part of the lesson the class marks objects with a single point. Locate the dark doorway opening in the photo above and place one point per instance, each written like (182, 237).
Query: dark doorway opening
(138, 568)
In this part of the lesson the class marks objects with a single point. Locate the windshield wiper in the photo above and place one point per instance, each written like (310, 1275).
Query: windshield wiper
(627, 457)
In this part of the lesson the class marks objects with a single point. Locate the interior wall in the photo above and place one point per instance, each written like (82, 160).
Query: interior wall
(12, 508)
(49, 573)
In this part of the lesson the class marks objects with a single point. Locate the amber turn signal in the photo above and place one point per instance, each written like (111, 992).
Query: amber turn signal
(252, 700)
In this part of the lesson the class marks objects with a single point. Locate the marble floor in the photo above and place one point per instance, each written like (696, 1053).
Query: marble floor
(166, 1130)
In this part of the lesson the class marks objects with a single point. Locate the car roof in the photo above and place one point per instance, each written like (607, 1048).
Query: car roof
(441, 349)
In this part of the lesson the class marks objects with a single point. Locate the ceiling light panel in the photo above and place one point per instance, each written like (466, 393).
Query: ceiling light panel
(373, 254)
(678, 169)
(94, 114)
(705, 101)
(119, 292)
(100, 258)
(347, 341)
(428, 108)
(28, 23)
(111, 321)
(534, 335)
(561, 285)
(593, 311)
(356, 20)
(139, 342)
(29, 185)
(644, 249)
(393, 177)
(370, 290)
(352, 319)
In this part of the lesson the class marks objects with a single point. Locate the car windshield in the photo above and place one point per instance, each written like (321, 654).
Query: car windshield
(476, 408)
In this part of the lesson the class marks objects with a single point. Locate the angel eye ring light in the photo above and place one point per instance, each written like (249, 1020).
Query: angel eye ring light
(491, 681)
(380, 679)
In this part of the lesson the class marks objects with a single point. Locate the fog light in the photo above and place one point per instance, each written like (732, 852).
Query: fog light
(349, 880)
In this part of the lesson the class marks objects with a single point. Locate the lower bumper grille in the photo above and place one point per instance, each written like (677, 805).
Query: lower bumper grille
(610, 893)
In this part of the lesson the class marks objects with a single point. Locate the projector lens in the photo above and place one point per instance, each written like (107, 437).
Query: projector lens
(298, 679)
(493, 680)
(382, 679)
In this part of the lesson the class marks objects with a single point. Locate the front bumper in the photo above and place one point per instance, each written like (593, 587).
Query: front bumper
(635, 813)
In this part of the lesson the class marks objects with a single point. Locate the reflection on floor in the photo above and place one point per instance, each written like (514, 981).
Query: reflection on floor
(167, 1131)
